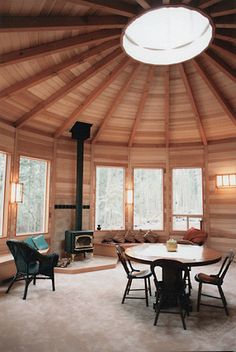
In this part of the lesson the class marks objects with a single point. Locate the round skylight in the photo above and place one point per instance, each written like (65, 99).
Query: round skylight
(167, 35)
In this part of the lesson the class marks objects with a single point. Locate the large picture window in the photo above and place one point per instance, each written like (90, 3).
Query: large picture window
(3, 167)
(109, 198)
(187, 198)
(148, 199)
(32, 215)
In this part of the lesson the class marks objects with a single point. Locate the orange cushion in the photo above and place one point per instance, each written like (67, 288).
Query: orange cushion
(195, 235)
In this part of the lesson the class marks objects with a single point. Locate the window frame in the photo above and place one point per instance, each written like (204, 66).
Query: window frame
(47, 197)
(107, 165)
(163, 195)
(172, 198)
(6, 196)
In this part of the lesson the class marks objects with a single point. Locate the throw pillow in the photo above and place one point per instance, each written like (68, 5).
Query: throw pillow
(139, 236)
(108, 238)
(119, 237)
(150, 237)
(129, 236)
(195, 235)
(40, 242)
(30, 242)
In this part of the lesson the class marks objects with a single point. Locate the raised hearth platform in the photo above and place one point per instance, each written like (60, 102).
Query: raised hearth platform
(88, 264)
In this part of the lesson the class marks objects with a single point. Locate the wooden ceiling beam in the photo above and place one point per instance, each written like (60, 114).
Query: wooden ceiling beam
(114, 6)
(55, 23)
(84, 76)
(226, 49)
(91, 97)
(193, 103)
(215, 91)
(53, 70)
(167, 106)
(207, 3)
(144, 4)
(220, 64)
(225, 22)
(116, 102)
(226, 34)
(141, 105)
(59, 45)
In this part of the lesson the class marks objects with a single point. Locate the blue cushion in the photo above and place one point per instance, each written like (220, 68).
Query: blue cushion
(30, 242)
(40, 242)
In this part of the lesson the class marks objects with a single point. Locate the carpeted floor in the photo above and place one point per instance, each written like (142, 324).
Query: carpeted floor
(85, 314)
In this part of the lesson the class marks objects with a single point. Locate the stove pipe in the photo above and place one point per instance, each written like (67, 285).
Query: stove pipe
(81, 132)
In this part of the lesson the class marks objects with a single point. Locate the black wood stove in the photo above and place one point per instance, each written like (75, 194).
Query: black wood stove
(78, 240)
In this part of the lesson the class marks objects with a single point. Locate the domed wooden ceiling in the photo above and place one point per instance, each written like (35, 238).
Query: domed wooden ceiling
(61, 61)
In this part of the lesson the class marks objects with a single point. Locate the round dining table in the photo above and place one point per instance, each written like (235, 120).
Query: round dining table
(188, 255)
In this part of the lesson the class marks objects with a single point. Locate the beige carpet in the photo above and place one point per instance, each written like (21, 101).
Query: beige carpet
(85, 314)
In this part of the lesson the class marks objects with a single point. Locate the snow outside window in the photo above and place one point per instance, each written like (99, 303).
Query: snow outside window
(3, 165)
(32, 214)
(187, 198)
(148, 199)
(109, 198)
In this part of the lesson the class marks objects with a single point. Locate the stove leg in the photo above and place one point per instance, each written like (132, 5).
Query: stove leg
(72, 258)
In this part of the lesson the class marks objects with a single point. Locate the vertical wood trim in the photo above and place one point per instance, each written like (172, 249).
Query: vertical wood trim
(92, 189)
(167, 196)
(167, 106)
(129, 185)
(14, 178)
(52, 195)
(206, 211)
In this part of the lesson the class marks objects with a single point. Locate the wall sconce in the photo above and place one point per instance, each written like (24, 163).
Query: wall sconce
(129, 196)
(17, 192)
(226, 181)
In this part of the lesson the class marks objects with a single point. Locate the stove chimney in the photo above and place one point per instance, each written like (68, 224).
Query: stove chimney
(81, 132)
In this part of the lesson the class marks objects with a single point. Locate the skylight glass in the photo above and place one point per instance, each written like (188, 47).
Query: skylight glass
(167, 35)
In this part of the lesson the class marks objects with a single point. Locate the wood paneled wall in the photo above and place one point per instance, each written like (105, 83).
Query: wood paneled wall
(219, 205)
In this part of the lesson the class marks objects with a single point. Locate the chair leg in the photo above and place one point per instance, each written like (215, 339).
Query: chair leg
(199, 296)
(158, 308)
(127, 289)
(34, 282)
(53, 282)
(27, 282)
(149, 286)
(181, 312)
(146, 291)
(223, 299)
(12, 282)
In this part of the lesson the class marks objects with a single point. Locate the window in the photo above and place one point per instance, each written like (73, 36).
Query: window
(32, 215)
(148, 199)
(109, 198)
(3, 167)
(187, 198)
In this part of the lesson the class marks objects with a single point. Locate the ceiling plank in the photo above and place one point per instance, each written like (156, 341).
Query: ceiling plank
(207, 3)
(225, 38)
(55, 23)
(193, 103)
(84, 76)
(116, 102)
(91, 97)
(220, 64)
(225, 22)
(56, 46)
(141, 105)
(224, 12)
(215, 91)
(144, 4)
(167, 106)
(114, 6)
(53, 70)
(226, 49)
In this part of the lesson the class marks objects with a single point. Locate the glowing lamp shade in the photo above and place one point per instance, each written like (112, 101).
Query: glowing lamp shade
(16, 192)
(129, 196)
(226, 181)
(167, 35)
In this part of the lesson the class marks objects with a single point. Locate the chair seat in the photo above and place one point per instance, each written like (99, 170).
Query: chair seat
(141, 274)
(208, 279)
